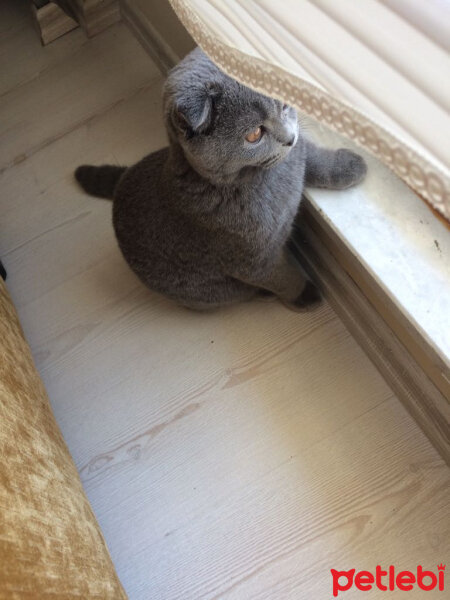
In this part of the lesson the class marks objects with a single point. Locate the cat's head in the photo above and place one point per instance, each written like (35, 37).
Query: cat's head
(226, 130)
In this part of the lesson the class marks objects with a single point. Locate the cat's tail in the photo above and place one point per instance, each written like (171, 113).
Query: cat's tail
(99, 181)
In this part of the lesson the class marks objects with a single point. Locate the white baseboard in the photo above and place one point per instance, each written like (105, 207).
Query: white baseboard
(158, 48)
(405, 375)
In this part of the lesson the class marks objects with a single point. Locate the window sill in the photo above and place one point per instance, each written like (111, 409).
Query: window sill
(396, 253)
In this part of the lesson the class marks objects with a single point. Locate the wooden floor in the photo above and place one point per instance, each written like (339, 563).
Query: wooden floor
(238, 455)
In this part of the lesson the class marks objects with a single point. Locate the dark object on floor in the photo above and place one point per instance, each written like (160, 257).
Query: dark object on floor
(2, 271)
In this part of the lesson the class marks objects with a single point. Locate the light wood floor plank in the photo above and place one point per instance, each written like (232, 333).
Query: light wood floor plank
(22, 56)
(71, 92)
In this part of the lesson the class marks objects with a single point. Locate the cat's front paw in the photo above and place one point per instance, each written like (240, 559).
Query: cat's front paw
(349, 169)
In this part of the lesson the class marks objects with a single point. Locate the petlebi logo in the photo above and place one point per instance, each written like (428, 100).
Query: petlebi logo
(388, 580)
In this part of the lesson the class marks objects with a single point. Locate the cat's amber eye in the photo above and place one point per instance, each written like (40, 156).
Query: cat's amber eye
(254, 136)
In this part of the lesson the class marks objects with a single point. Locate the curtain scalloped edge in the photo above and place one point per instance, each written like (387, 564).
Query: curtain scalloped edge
(416, 171)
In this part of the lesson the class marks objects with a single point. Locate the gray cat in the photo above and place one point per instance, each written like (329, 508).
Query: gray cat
(206, 220)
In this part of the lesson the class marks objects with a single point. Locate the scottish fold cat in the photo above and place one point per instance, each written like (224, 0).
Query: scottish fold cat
(207, 219)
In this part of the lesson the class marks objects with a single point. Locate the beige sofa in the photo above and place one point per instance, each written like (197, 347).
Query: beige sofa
(50, 543)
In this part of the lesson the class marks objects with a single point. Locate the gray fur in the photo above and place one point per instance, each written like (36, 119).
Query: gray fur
(206, 220)
(99, 181)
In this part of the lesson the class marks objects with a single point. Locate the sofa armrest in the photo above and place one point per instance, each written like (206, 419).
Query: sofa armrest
(50, 543)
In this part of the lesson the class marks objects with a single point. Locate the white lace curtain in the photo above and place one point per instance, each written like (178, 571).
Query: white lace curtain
(377, 71)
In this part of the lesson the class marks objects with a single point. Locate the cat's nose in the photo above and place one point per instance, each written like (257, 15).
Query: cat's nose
(290, 142)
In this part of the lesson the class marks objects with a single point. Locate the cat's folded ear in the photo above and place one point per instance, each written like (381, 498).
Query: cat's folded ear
(193, 111)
